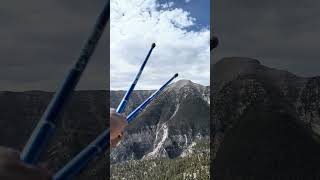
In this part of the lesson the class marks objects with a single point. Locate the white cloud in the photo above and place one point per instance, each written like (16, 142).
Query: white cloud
(167, 4)
(187, 1)
(136, 24)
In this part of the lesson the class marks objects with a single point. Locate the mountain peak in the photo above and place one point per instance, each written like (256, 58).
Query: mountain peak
(239, 60)
(229, 68)
(184, 82)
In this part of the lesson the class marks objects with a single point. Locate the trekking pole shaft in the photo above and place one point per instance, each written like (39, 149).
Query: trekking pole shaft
(74, 166)
(47, 123)
(126, 97)
(100, 144)
(140, 108)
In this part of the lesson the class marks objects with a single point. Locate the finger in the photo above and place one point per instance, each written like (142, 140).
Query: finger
(116, 140)
(11, 167)
(113, 142)
(9, 154)
(122, 124)
(124, 118)
(44, 165)
(31, 172)
(112, 110)
(118, 121)
(123, 115)
(116, 131)
(120, 136)
(117, 115)
(20, 170)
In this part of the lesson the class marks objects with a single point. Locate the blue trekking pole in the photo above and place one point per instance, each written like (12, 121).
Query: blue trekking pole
(126, 97)
(141, 107)
(47, 123)
(100, 144)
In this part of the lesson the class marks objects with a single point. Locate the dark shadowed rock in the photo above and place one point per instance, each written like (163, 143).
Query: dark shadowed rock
(265, 122)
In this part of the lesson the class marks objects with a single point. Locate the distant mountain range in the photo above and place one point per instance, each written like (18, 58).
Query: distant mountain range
(265, 122)
(172, 126)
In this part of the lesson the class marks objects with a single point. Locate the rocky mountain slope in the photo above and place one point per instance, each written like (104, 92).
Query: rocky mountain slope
(170, 139)
(169, 126)
(265, 122)
(193, 166)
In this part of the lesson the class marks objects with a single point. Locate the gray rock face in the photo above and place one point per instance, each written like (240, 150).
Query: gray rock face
(168, 126)
(260, 112)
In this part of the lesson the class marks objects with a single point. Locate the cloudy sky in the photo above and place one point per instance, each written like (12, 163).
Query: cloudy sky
(41, 39)
(281, 34)
(180, 28)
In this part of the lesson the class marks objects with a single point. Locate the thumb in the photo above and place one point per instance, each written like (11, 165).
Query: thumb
(44, 165)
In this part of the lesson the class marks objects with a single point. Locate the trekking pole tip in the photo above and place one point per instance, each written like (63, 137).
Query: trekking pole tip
(176, 75)
(214, 42)
(153, 45)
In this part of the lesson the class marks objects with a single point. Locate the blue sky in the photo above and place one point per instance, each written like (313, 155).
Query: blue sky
(199, 9)
(179, 28)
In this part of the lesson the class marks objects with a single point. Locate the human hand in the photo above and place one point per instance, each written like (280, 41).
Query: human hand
(117, 124)
(12, 168)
